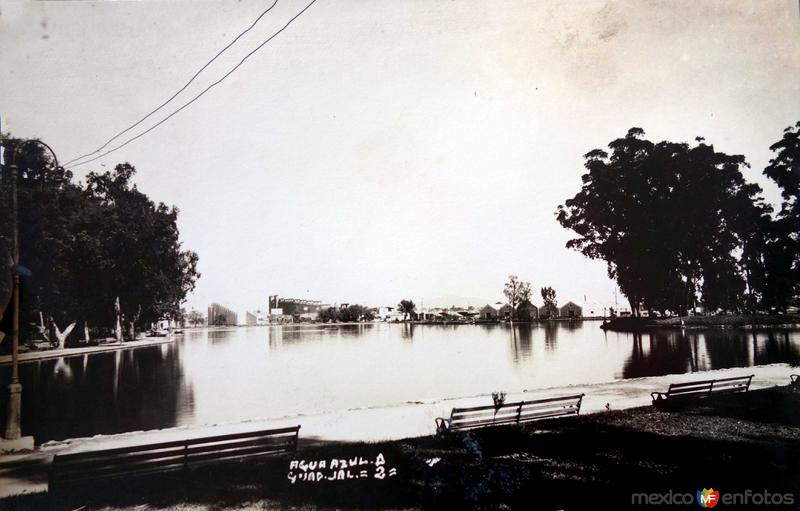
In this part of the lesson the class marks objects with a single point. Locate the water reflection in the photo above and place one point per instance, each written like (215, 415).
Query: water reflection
(670, 352)
(114, 392)
(551, 334)
(225, 375)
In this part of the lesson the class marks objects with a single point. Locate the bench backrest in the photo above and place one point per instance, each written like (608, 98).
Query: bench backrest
(168, 456)
(706, 387)
(516, 412)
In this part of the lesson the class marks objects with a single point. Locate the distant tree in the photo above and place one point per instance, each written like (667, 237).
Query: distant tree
(671, 220)
(516, 292)
(407, 307)
(195, 318)
(328, 315)
(355, 313)
(550, 304)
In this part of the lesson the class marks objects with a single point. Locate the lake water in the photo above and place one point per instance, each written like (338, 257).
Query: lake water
(217, 376)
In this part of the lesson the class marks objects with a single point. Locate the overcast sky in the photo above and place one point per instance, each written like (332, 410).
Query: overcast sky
(387, 149)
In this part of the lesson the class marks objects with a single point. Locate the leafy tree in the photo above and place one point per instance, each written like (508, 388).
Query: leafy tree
(550, 304)
(671, 220)
(151, 275)
(88, 245)
(195, 318)
(354, 313)
(48, 206)
(330, 314)
(350, 314)
(407, 307)
(781, 239)
(516, 292)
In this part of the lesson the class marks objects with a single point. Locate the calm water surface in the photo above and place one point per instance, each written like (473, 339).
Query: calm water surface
(216, 376)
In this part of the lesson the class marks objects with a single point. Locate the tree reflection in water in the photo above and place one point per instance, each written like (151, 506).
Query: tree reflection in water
(116, 392)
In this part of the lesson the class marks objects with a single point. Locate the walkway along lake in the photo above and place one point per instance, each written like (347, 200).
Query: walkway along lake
(219, 376)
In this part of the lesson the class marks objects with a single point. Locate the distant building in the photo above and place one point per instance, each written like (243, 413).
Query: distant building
(278, 306)
(495, 312)
(389, 313)
(250, 319)
(570, 310)
(221, 316)
(526, 311)
(544, 313)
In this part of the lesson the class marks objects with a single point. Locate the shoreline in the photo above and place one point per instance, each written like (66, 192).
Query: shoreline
(25, 472)
(747, 322)
(564, 463)
(37, 356)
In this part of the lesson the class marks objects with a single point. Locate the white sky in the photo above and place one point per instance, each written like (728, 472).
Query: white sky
(384, 149)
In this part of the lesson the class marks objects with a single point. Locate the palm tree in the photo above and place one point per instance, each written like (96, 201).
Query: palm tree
(407, 307)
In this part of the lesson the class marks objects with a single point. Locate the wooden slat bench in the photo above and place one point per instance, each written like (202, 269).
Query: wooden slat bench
(700, 389)
(76, 470)
(510, 413)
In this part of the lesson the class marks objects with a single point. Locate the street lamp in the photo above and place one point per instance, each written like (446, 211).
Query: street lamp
(13, 437)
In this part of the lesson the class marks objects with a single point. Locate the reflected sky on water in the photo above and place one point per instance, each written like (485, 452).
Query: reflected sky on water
(216, 376)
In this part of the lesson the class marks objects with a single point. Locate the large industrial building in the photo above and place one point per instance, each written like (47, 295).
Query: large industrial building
(292, 306)
(221, 316)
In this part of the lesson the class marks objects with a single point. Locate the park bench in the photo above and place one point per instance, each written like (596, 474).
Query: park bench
(510, 413)
(78, 470)
(701, 389)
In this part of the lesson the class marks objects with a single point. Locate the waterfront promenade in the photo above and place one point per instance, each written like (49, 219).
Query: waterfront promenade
(27, 472)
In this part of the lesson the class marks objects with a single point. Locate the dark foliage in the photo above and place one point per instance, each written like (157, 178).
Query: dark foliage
(673, 221)
(88, 245)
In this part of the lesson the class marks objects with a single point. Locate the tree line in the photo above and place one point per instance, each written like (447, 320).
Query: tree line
(102, 255)
(518, 295)
(679, 226)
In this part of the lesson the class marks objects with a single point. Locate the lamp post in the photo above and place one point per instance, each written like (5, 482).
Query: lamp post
(13, 433)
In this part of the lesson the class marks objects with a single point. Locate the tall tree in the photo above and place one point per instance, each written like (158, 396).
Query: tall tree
(85, 246)
(782, 236)
(550, 303)
(671, 220)
(516, 292)
(407, 307)
(151, 275)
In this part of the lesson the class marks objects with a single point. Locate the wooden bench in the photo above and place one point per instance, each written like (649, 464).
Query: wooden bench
(510, 413)
(78, 470)
(701, 389)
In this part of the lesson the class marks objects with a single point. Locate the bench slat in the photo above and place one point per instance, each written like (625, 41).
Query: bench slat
(514, 413)
(704, 388)
(171, 456)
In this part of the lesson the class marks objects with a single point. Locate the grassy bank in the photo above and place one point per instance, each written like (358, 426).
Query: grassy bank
(722, 321)
(734, 443)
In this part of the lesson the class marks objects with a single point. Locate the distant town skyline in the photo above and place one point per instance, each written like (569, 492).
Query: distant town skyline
(387, 150)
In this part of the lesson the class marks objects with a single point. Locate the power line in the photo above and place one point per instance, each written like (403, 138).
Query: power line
(162, 105)
(165, 119)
